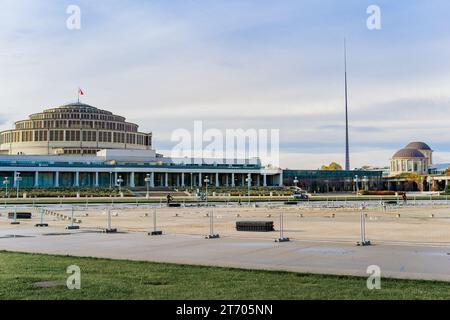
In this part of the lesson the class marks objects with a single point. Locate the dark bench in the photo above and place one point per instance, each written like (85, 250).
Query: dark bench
(19, 215)
(257, 226)
(174, 205)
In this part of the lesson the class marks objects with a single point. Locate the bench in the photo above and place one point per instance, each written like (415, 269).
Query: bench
(256, 226)
(19, 215)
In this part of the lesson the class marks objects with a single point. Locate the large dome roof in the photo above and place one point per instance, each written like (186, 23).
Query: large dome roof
(77, 107)
(408, 153)
(418, 145)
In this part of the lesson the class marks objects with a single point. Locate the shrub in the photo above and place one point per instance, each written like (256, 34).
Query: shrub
(380, 193)
(40, 192)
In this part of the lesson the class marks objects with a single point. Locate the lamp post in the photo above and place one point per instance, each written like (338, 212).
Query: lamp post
(147, 182)
(429, 183)
(249, 183)
(365, 181)
(206, 181)
(6, 182)
(18, 178)
(356, 184)
(119, 182)
(295, 182)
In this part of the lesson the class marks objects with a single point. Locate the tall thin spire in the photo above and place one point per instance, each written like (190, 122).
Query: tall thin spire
(347, 151)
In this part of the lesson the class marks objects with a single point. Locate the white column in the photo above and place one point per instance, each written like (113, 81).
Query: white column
(265, 180)
(217, 179)
(152, 179)
(77, 179)
(36, 179)
(232, 180)
(166, 179)
(182, 179)
(281, 179)
(242, 180)
(132, 180)
(57, 179)
(227, 183)
(200, 182)
(96, 179)
(258, 180)
(115, 179)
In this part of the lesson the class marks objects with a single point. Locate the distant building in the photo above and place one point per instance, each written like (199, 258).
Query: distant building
(333, 180)
(72, 129)
(78, 145)
(416, 158)
(424, 148)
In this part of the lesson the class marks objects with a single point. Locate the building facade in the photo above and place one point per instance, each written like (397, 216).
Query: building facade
(99, 171)
(72, 129)
(334, 180)
(415, 158)
(78, 145)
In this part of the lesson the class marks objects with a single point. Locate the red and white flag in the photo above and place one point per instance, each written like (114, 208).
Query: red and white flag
(80, 92)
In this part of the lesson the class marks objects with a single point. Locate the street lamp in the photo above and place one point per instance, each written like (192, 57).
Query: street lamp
(147, 182)
(6, 182)
(249, 183)
(295, 181)
(206, 181)
(17, 178)
(356, 184)
(365, 180)
(120, 181)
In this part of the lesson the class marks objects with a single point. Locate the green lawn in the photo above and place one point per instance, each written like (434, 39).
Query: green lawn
(122, 279)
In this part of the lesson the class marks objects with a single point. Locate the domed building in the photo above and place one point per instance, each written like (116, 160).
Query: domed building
(424, 148)
(72, 129)
(414, 158)
(78, 145)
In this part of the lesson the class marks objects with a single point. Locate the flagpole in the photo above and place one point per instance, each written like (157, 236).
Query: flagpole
(78, 95)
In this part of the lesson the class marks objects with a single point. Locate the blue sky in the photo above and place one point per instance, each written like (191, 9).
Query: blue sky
(240, 64)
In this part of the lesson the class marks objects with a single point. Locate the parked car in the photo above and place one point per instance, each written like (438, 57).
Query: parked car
(300, 195)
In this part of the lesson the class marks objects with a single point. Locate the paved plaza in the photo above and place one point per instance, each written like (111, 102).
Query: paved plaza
(396, 259)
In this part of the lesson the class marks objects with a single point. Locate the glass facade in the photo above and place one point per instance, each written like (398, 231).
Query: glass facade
(331, 180)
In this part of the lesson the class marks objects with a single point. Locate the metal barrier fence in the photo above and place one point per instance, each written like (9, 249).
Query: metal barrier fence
(416, 221)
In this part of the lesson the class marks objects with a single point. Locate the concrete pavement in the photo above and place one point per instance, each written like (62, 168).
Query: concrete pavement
(395, 260)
